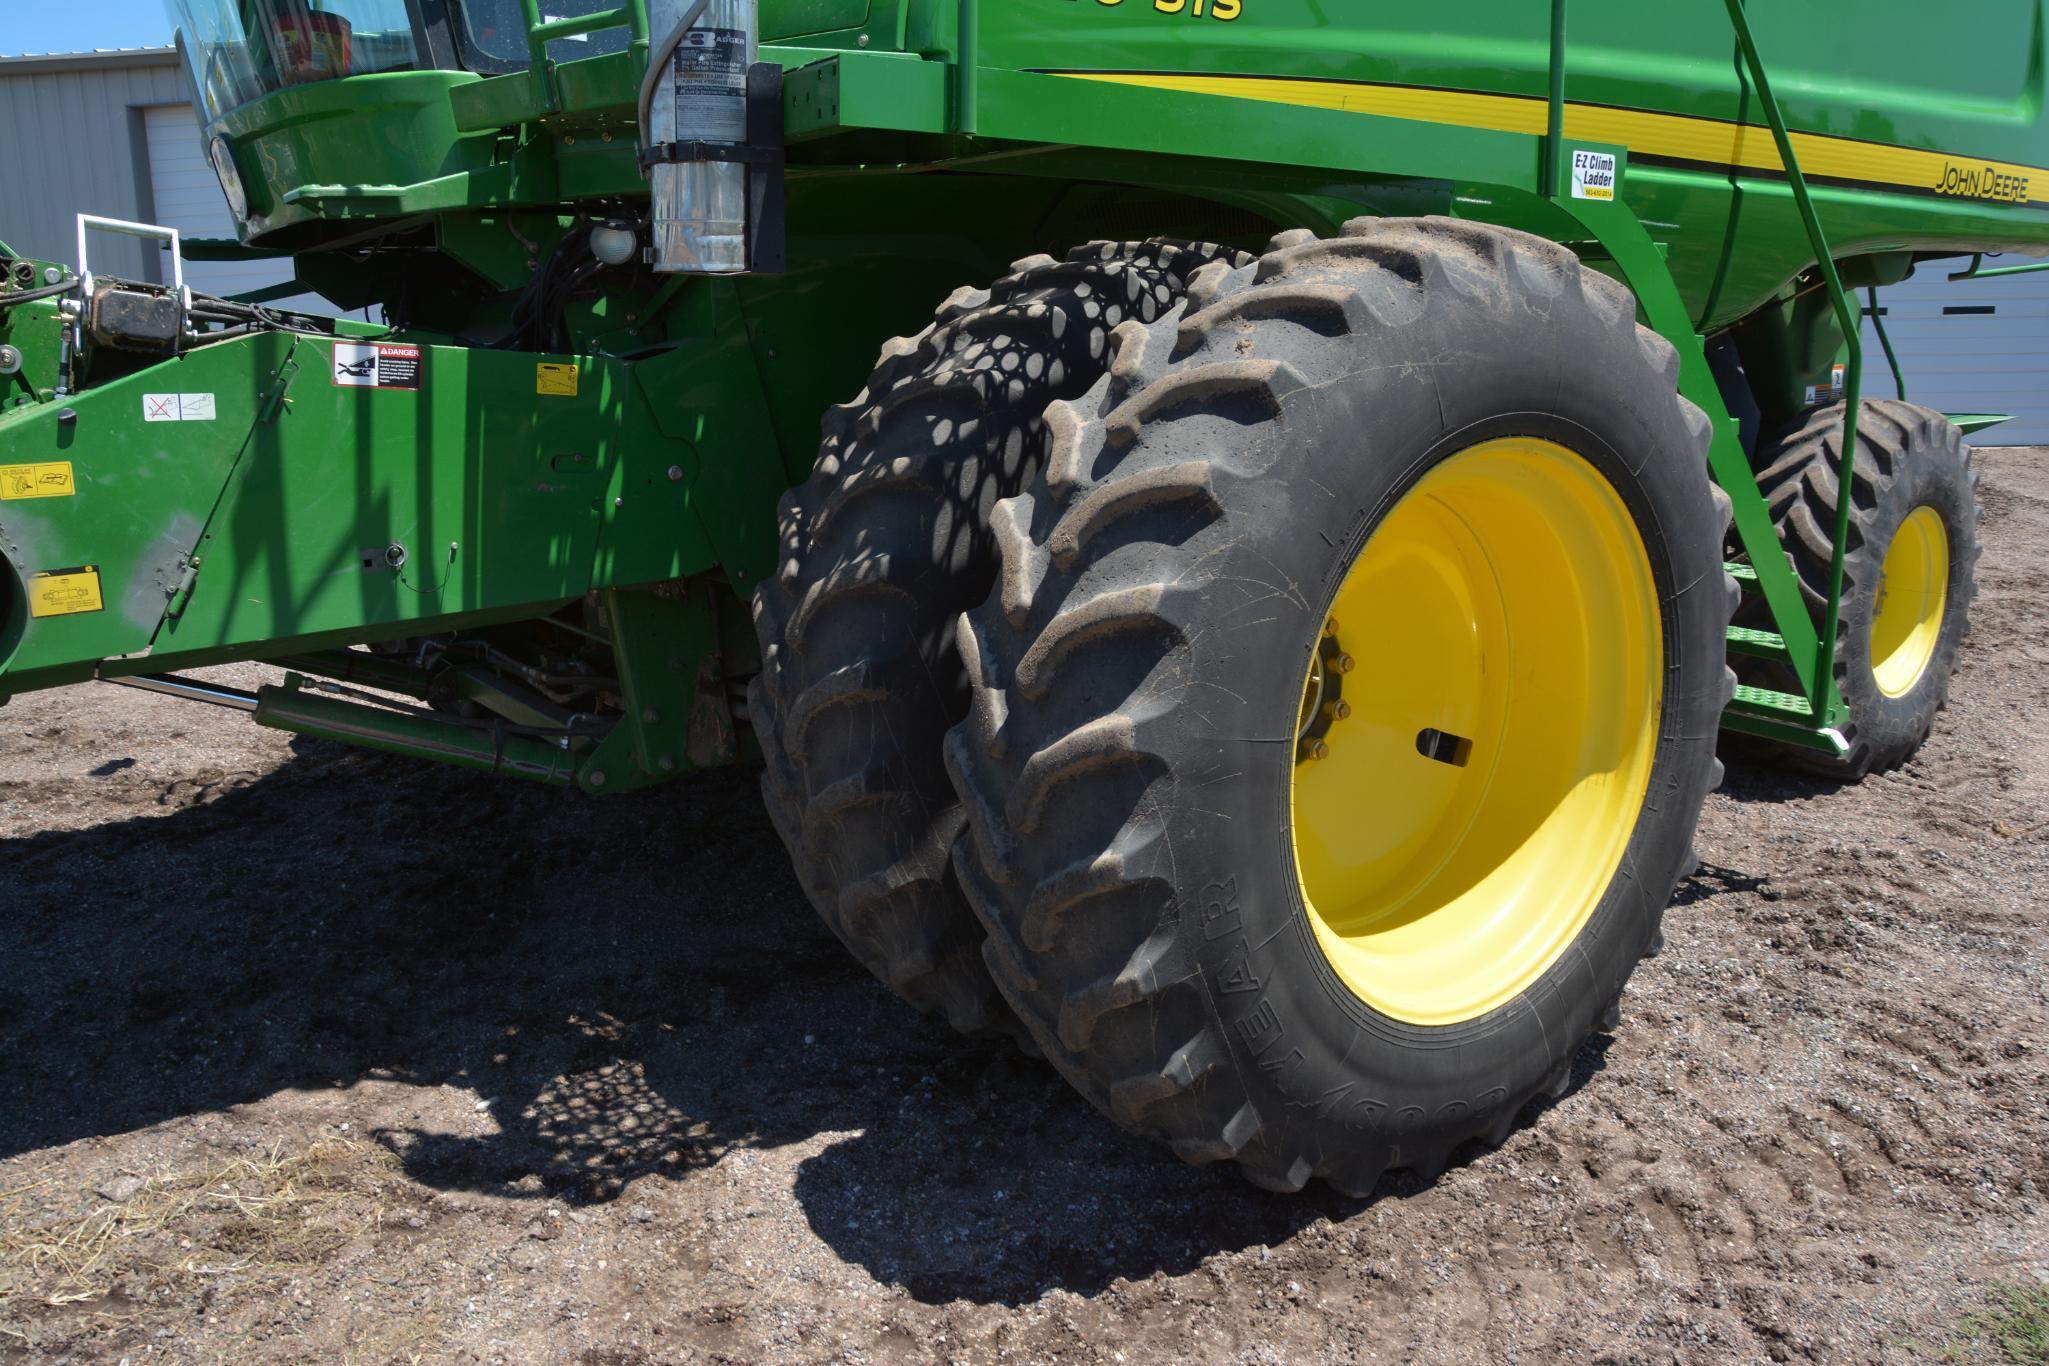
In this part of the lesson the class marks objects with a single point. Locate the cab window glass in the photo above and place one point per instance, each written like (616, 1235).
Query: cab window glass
(243, 49)
(491, 35)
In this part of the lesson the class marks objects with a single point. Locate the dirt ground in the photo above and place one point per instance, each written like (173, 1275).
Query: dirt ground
(313, 1054)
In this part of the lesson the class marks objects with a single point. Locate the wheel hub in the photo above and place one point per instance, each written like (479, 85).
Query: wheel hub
(1462, 805)
(1323, 697)
(1913, 598)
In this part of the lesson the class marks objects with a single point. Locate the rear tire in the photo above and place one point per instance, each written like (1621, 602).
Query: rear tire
(1915, 491)
(1132, 766)
(882, 549)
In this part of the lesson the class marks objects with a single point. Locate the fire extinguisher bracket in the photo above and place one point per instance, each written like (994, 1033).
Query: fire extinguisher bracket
(711, 151)
(761, 154)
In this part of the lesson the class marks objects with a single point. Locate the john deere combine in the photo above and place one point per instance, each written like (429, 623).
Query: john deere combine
(1260, 631)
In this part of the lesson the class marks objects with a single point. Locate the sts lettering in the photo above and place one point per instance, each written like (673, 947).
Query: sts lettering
(1226, 10)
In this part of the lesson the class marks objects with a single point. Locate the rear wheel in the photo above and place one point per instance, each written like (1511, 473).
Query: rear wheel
(882, 549)
(1342, 716)
(1909, 576)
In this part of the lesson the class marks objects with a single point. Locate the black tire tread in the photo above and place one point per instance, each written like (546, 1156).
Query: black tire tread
(871, 836)
(1070, 940)
(1802, 485)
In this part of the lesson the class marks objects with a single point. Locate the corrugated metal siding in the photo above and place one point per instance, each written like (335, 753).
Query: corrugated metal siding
(1970, 362)
(187, 193)
(84, 131)
(188, 197)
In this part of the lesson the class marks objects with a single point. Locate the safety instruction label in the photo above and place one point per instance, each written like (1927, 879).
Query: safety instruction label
(555, 381)
(177, 408)
(376, 365)
(711, 85)
(50, 480)
(1593, 175)
(65, 592)
(1835, 391)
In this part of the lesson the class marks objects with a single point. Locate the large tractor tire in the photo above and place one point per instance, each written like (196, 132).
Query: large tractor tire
(1909, 577)
(1347, 700)
(882, 550)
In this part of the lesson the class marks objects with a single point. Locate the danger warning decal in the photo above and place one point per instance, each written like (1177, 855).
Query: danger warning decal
(376, 365)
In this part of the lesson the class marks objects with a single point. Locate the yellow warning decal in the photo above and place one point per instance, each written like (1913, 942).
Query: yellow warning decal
(65, 592)
(51, 480)
(555, 381)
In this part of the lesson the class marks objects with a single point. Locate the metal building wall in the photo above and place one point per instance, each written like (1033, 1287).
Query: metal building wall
(79, 120)
(1970, 346)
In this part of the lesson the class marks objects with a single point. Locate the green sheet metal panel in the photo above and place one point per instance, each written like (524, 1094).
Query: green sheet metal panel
(801, 18)
(1915, 133)
(319, 486)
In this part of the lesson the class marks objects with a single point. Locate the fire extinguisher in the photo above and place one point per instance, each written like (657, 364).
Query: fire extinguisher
(696, 133)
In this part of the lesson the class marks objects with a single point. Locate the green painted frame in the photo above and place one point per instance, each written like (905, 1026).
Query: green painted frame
(856, 113)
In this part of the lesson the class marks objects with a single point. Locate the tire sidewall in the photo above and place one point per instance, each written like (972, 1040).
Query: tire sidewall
(1338, 458)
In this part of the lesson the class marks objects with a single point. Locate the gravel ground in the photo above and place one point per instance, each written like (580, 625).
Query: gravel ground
(307, 1053)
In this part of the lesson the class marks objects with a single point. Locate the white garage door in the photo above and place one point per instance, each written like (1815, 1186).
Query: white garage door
(188, 197)
(1970, 346)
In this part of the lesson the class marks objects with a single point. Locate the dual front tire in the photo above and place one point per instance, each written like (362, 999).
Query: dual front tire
(882, 549)
(1344, 699)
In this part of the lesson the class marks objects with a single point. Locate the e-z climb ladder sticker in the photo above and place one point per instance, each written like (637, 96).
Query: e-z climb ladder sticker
(1593, 175)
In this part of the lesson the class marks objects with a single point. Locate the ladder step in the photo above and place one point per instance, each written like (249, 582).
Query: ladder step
(1765, 702)
(1745, 576)
(1758, 644)
(1782, 717)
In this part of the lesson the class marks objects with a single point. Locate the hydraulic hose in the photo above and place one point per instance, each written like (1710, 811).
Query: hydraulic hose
(8, 300)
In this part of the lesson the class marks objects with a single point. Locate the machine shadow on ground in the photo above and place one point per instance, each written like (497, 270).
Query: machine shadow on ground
(633, 987)
(629, 988)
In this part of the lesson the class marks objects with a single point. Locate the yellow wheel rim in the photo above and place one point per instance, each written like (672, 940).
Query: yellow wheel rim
(1913, 596)
(1478, 728)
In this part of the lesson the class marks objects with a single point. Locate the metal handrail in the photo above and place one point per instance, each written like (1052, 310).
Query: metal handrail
(968, 41)
(1823, 687)
(540, 32)
(1977, 270)
(1892, 358)
(1554, 119)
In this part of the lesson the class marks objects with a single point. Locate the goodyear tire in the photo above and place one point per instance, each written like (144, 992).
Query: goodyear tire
(1335, 510)
(1909, 577)
(881, 551)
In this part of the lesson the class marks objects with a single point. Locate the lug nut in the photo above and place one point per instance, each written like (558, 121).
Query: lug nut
(1330, 627)
(1318, 750)
(1345, 664)
(1344, 710)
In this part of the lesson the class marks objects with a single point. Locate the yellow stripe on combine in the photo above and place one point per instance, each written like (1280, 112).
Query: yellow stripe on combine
(1708, 141)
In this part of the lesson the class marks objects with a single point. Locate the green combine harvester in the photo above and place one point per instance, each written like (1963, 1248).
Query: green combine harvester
(1258, 633)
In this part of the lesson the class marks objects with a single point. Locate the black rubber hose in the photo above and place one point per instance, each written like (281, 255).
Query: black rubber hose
(9, 300)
